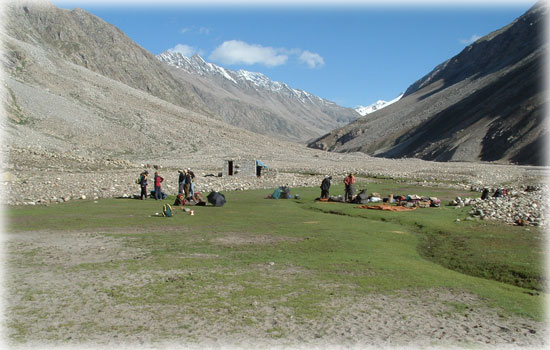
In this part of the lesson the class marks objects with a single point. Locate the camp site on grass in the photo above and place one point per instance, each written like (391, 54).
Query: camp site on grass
(273, 272)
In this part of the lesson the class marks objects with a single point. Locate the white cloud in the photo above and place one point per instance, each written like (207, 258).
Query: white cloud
(239, 52)
(474, 38)
(201, 30)
(204, 30)
(185, 50)
(313, 60)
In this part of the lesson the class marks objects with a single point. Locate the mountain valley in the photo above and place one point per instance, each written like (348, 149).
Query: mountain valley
(83, 100)
(485, 104)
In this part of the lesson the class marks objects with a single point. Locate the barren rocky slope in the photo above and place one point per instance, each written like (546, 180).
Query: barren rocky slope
(486, 103)
(54, 104)
(86, 40)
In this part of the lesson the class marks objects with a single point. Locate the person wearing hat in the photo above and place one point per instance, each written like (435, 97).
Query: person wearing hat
(349, 182)
(143, 184)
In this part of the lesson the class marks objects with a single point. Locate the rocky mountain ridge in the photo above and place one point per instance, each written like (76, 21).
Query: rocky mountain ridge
(86, 40)
(272, 107)
(484, 104)
(197, 65)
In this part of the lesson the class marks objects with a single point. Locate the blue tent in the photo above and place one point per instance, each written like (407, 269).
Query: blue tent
(258, 162)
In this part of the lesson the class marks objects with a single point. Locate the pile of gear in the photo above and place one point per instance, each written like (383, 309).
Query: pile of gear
(217, 199)
(282, 192)
(409, 201)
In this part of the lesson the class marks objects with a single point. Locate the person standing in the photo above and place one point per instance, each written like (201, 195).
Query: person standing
(158, 181)
(143, 184)
(325, 187)
(192, 183)
(188, 184)
(349, 182)
(181, 180)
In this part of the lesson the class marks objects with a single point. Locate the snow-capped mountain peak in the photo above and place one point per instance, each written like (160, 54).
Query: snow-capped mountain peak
(364, 110)
(197, 65)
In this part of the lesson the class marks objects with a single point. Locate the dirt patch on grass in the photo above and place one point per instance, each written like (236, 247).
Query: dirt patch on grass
(109, 230)
(240, 238)
(198, 256)
(417, 318)
(69, 248)
(54, 300)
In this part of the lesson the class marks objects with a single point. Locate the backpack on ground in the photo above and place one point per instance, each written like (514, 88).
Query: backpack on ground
(285, 192)
(276, 194)
(361, 198)
(167, 210)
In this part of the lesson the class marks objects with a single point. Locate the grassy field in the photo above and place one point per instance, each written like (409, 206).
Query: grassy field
(297, 254)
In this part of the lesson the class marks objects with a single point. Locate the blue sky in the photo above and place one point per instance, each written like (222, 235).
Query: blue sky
(351, 53)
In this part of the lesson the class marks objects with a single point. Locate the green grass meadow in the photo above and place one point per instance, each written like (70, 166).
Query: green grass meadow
(298, 253)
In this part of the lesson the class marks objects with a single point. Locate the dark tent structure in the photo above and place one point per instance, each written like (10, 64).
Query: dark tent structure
(216, 199)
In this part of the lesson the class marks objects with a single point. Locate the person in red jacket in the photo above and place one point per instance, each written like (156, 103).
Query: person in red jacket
(349, 182)
(158, 181)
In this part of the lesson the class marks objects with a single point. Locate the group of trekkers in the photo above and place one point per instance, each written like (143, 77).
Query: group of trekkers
(186, 186)
(349, 183)
(143, 182)
(410, 201)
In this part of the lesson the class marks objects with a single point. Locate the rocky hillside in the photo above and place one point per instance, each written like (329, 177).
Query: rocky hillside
(86, 40)
(54, 102)
(41, 40)
(485, 104)
(271, 108)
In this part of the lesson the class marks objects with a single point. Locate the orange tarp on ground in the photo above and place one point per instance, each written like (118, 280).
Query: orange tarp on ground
(325, 200)
(385, 207)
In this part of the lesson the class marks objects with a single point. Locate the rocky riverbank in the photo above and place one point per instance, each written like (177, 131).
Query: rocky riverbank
(48, 187)
(521, 206)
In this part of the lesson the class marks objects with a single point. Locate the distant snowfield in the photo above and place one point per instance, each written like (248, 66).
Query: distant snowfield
(364, 110)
